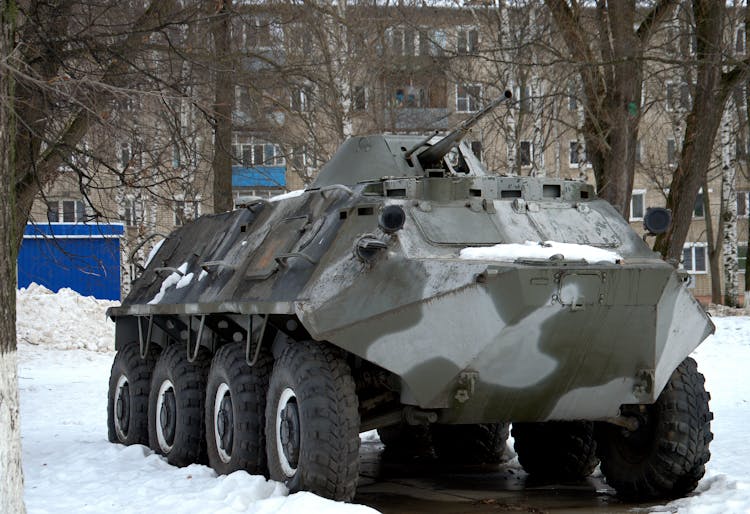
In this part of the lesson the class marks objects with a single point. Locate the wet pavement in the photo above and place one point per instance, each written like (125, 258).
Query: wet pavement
(392, 486)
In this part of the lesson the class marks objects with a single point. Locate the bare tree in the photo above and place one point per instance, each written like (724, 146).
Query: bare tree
(712, 90)
(60, 85)
(11, 474)
(223, 105)
(610, 61)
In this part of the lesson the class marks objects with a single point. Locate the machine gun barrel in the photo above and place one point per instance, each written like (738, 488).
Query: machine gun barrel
(430, 157)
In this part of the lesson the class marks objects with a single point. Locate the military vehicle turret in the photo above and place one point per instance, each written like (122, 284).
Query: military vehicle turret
(408, 287)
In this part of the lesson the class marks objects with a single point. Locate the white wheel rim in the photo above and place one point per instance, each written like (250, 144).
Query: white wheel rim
(286, 395)
(166, 385)
(121, 431)
(220, 393)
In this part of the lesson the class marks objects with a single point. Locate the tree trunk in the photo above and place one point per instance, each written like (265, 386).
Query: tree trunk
(728, 217)
(222, 109)
(714, 248)
(747, 163)
(700, 129)
(610, 64)
(11, 472)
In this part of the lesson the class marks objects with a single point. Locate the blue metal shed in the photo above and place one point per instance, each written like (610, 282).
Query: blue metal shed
(85, 258)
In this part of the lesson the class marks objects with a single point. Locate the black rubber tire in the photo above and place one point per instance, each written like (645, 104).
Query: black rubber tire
(132, 376)
(563, 451)
(311, 387)
(245, 389)
(188, 379)
(665, 458)
(471, 445)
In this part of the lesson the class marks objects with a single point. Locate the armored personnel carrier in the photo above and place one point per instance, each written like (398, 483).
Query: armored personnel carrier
(410, 291)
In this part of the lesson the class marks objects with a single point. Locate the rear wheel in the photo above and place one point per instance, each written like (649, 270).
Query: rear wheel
(127, 401)
(403, 441)
(312, 422)
(666, 456)
(471, 445)
(235, 411)
(175, 407)
(556, 450)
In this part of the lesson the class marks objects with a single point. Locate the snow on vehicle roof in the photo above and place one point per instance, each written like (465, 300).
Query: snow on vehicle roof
(173, 279)
(539, 250)
(290, 194)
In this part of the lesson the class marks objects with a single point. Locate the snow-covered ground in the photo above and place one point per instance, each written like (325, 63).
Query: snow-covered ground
(65, 352)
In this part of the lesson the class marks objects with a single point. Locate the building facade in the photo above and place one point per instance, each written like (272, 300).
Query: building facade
(306, 79)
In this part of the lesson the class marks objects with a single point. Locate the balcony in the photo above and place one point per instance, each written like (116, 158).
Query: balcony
(418, 119)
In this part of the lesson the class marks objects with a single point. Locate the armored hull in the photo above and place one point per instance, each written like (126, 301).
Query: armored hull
(408, 288)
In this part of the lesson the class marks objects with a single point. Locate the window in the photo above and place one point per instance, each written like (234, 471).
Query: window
(476, 149)
(694, 257)
(300, 99)
(300, 158)
(257, 32)
(468, 97)
(525, 153)
(742, 256)
(678, 97)
(742, 203)
(359, 99)
(523, 94)
(671, 153)
(577, 153)
(126, 153)
(255, 152)
(67, 211)
(698, 211)
(176, 156)
(438, 41)
(637, 202)
(431, 42)
(409, 96)
(185, 211)
(132, 212)
(572, 98)
(402, 40)
(467, 41)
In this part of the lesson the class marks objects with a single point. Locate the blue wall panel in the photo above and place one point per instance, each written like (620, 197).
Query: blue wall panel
(84, 258)
(259, 176)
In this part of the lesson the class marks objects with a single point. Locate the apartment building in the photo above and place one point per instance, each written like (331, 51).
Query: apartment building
(306, 79)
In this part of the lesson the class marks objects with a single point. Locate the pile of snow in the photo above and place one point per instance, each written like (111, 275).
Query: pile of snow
(536, 250)
(70, 466)
(64, 320)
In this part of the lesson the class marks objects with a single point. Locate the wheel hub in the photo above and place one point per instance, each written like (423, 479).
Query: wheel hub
(122, 407)
(288, 432)
(223, 422)
(166, 424)
(640, 441)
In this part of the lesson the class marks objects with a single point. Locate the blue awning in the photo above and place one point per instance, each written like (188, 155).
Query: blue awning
(73, 230)
(259, 176)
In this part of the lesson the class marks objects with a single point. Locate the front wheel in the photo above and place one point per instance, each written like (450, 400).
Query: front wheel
(666, 456)
(312, 422)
